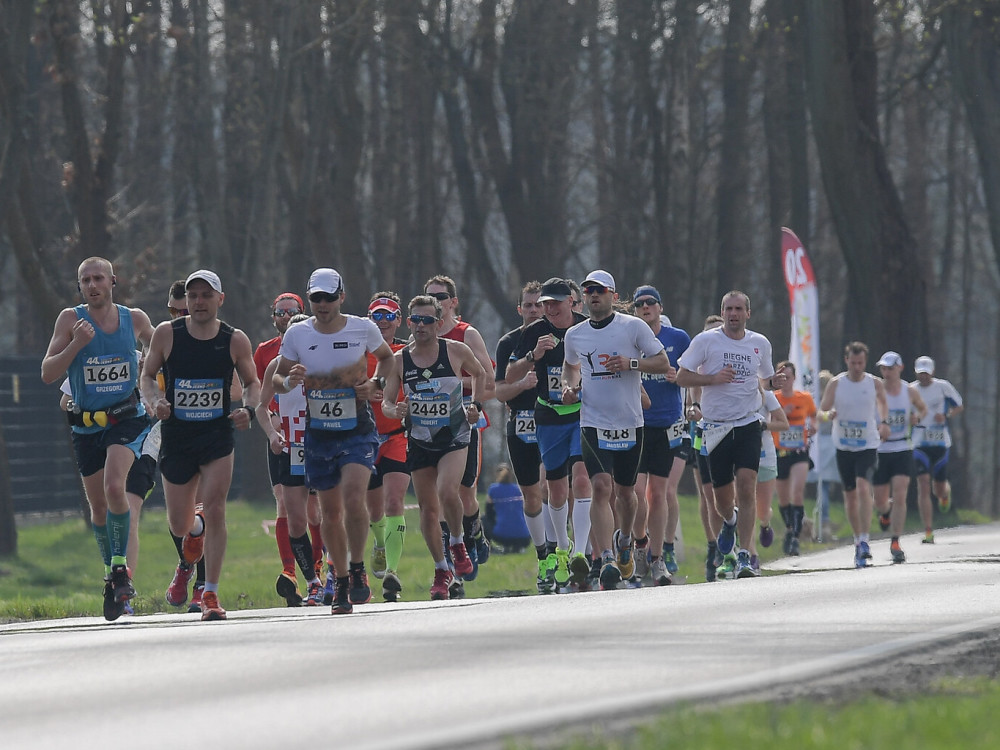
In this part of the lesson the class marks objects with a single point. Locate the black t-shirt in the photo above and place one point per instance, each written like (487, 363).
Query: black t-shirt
(198, 375)
(525, 400)
(548, 368)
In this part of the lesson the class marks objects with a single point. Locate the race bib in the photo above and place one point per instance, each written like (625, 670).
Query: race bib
(852, 434)
(198, 400)
(553, 376)
(481, 422)
(108, 374)
(431, 410)
(677, 432)
(792, 439)
(297, 459)
(333, 409)
(713, 433)
(621, 439)
(897, 423)
(524, 426)
(935, 436)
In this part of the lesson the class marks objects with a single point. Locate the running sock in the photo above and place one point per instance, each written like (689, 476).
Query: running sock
(212, 587)
(786, 515)
(550, 527)
(316, 535)
(179, 544)
(581, 523)
(395, 533)
(441, 565)
(118, 533)
(302, 549)
(199, 572)
(536, 528)
(471, 525)
(104, 545)
(285, 552)
(453, 540)
(731, 521)
(668, 547)
(798, 516)
(378, 531)
(541, 551)
(560, 520)
(198, 527)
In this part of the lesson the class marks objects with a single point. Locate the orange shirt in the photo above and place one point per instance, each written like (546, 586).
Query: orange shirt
(798, 408)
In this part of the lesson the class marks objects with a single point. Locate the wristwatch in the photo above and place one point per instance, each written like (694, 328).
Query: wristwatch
(633, 364)
(530, 356)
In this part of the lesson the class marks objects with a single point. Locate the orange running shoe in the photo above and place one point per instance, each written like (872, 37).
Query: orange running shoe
(210, 608)
(193, 547)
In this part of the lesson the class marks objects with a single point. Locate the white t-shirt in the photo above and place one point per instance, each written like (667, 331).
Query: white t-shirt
(610, 400)
(749, 356)
(325, 354)
(900, 408)
(930, 432)
(855, 427)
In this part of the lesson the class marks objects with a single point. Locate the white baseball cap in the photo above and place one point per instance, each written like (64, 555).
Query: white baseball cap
(209, 277)
(890, 359)
(924, 364)
(324, 280)
(603, 278)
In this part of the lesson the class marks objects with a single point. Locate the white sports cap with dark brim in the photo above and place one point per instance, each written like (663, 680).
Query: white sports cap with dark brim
(324, 280)
(209, 277)
(925, 365)
(603, 278)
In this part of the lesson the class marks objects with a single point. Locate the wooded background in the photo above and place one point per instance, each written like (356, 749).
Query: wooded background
(499, 141)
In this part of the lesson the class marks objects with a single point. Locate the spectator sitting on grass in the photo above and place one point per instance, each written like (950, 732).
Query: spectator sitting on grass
(504, 522)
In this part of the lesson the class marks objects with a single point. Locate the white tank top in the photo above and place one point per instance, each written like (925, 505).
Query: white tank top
(856, 425)
(899, 421)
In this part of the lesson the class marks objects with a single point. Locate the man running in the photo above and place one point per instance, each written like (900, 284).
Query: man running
(932, 440)
(94, 343)
(327, 353)
(855, 401)
(604, 359)
(199, 354)
(732, 364)
(439, 429)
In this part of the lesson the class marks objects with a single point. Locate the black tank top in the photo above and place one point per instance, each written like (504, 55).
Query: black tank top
(437, 415)
(198, 376)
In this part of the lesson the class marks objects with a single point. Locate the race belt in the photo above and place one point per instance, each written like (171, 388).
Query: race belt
(124, 409)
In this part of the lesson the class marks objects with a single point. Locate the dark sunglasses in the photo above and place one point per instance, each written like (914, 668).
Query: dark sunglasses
(647, 302)
(595, 289)
(285, 313)
(439, 296)
(427, 320)
(324, 297)
(177, 312)
(383, 315)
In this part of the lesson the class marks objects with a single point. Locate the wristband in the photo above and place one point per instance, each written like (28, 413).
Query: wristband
(530, 356)
(478, 406)
(251, 412)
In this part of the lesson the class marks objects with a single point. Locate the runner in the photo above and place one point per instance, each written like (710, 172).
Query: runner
(774, 420)
(199, 354)
(603, 362)
(933, 442)
(731, 364)
(439, 429)
(94, 343)
(895, 454)
(443, 289)
(855, 401)
(663, 460)
(327, 353)
(388, 484)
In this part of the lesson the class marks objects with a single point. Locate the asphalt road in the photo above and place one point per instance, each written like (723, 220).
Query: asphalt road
(432, 675)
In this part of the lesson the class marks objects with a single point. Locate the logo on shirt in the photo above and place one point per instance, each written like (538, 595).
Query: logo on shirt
(340, 344)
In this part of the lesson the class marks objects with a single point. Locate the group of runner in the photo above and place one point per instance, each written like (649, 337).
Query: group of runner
(598, 405)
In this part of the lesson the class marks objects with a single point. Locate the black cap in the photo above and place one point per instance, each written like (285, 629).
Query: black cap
(555, 289)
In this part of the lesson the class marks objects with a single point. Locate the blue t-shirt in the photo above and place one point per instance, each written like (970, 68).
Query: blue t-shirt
(509, 506)
(666, 396)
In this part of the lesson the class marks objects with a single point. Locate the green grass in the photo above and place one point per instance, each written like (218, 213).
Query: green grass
(57, 572)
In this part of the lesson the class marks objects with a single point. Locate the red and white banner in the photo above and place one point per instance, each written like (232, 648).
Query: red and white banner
(804, 299)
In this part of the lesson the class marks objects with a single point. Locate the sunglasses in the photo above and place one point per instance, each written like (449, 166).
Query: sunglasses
(427, 320)
(285, 313)
(176, 312)
(383, 315)
(595, 289)
(439, 296)
(646, 302)
(324, 297)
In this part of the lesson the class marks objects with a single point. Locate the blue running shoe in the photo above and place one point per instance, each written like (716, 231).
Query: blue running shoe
(727, 538)
(611, 577)
(670, 560)
(330, 590)
(865, 550)
(482, 546)
(743, 567)
(472, 549)
(860, 561)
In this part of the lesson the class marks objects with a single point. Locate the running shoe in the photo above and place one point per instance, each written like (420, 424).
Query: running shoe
(196, 598)
(885, 519)
(359, 592)
(944, 504)
(460, 560)
(210, 608)
(561, 572)
(177, 591)
(743, 567)
(766, 535)
(122, 583)
(898, 556)
(670, 560)
(727, 571)
(786, 545)
(392, 588)
(315, 596)
(659, 573)
(127, 609)
(711, 567)
(193, 547)
(928, 538)
(641, 560)
(727, 538)
(755, 563)
(330, 590)
(442, 581)
(866, 551)
(288, 589)
(112, 608)
(472, 553)
(624, 557)
(611, 576)
(483, 548)
(378, 561)
(579, 569)
(342, 601)
(860, 561)
(456, 589)
(546, 582)
(793, 547)
(594, 576)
